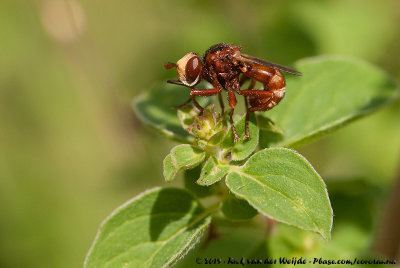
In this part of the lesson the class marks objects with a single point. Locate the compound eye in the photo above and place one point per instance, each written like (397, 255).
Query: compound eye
(193, 68)
(190, 69)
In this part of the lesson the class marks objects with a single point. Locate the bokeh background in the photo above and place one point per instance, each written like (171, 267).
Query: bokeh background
(71, 148)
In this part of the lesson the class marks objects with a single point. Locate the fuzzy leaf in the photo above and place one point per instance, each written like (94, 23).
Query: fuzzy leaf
(186, 156)
(242, 149)
(155, 229)
(212, 172)
(332, 92)
(169, 169)
(281, 184)
(183, 156)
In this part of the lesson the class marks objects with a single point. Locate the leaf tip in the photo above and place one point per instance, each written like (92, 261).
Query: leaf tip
(169, 170)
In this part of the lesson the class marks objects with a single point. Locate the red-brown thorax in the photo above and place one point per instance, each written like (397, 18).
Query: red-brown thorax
(220, 64)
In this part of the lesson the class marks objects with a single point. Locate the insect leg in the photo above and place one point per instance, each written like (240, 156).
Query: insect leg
(221, 103)
(251, 86)
(179, 83)
(183, 104)
(216, 84)
(203, 93)
(201, 109)
(247, 135)
(232, 103)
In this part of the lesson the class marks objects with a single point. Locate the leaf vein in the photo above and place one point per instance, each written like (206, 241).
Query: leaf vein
(284, 195)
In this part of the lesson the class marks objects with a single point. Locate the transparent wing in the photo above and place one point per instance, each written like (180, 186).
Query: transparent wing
(251, 59)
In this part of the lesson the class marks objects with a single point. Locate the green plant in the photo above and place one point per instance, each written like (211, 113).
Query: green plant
(158, 227)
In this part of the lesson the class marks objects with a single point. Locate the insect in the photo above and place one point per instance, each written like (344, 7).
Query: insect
(226, 68)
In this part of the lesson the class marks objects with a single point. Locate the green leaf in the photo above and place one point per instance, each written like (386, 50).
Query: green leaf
(217, 138)
(332, 92)
(154, 108)
(237, 209)
(155, 229)
(240, 150)
(281, 184)
(186, 156)
(212, 172)
(169, 169)
(183, 156)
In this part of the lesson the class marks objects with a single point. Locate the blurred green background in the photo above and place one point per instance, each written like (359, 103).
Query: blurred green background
(72, 150)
